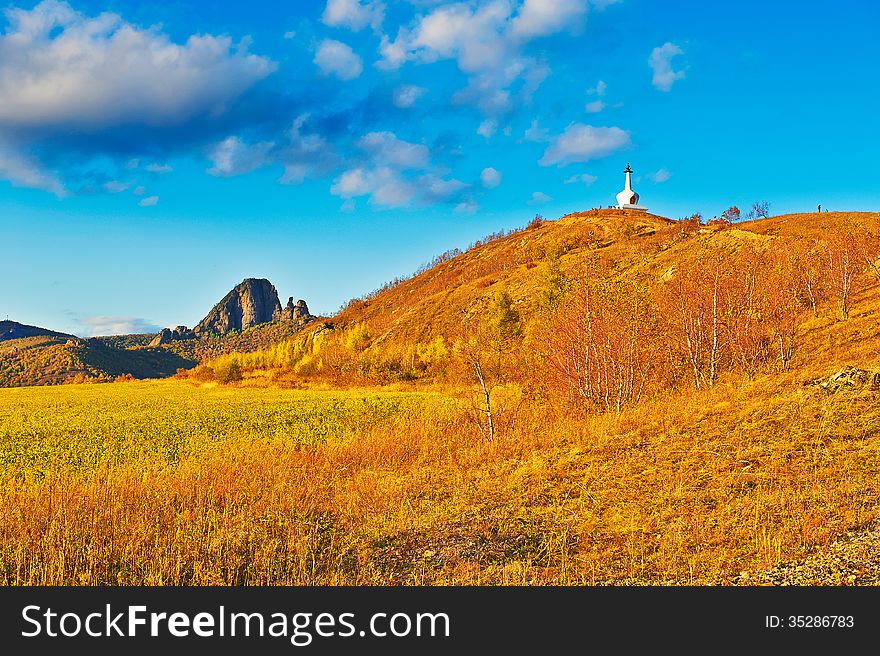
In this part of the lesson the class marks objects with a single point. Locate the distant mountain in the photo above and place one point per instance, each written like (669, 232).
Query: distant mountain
(14, 330)
(248, 318)
(252, 302)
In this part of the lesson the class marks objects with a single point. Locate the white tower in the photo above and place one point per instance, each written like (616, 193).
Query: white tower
(628, 199)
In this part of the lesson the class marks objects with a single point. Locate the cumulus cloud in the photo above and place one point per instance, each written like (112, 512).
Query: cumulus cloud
(541, 18)
(387, 149)
(158, 168)
(24, 171)
(111, 325)
(584, 178)
(336, 58)
(300, 153)
(387, 187)
(467, 207)
(74, 88)
(487, 128)
(353, 14)
(61, 68)
(149, 201)
(406, 95)
(116, 186)
(594, 107)
(490, 178)
(536, 133)
(660, 176)
(232, 156)
(487, 40)
(599, 89)
(395, 173)
(539, 198)
(582, 143)
(660, 62)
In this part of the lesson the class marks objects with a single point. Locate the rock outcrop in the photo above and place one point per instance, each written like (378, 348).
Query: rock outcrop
(298, 312)
(250, 303)
(848, 378)
(166, 336)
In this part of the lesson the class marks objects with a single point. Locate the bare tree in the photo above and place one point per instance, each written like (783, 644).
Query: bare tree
(488, 349)
(760, 210)
(842, 268)
(731, 214)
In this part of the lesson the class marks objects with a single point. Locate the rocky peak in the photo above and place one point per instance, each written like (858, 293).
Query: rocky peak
(297, 312)
(250, 303)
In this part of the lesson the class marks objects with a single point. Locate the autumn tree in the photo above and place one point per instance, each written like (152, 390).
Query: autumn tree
(602, 341)
(692, 303)
(731, 214)
(843, 262)
(488, 349)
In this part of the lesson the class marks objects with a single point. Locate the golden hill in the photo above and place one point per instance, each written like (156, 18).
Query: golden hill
(780, 283)
(670, 406)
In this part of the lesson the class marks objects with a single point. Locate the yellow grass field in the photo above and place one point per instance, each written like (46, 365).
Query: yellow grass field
(174, 483)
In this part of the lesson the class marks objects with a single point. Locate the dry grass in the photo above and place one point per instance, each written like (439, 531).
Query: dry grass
(398, 490)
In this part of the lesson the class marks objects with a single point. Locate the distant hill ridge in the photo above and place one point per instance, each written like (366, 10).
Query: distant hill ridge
(14, 330)
(250, 317)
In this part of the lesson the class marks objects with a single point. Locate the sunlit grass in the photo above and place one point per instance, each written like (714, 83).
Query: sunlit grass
(170, 483)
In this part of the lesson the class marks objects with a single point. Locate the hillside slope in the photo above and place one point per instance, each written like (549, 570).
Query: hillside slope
(779, 290)
(14, 330)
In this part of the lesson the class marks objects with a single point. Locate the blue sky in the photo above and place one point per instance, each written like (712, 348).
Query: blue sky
(152, 155)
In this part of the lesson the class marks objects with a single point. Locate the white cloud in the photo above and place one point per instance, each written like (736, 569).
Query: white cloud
(660, 62)
(116, 187)
(581, 143)
(598, 90)
(23, 171)
(388, 187)
(290, 35)
(490, 178)
(301, 155)
(466, 207)
(232, 156)
(539, 198)
(61, 68)
(149, 201)
(585, 178)
(594, 107)
(139, 190)
(406, 95)
(536, 133)
(487, 128)
(660, 176)
(538, 18)
(353, 14)
(110, 325)
(487, 40)
(386, 149)
(336, 58)
(158, 168)
(304, 154)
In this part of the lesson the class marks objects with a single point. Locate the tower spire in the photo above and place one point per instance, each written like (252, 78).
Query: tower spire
(628, 199)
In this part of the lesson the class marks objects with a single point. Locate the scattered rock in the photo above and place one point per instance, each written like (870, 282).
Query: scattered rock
(166, 335)
(847, 378)
(852, 559)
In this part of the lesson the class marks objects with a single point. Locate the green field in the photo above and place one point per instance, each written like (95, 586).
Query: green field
(156, 424)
